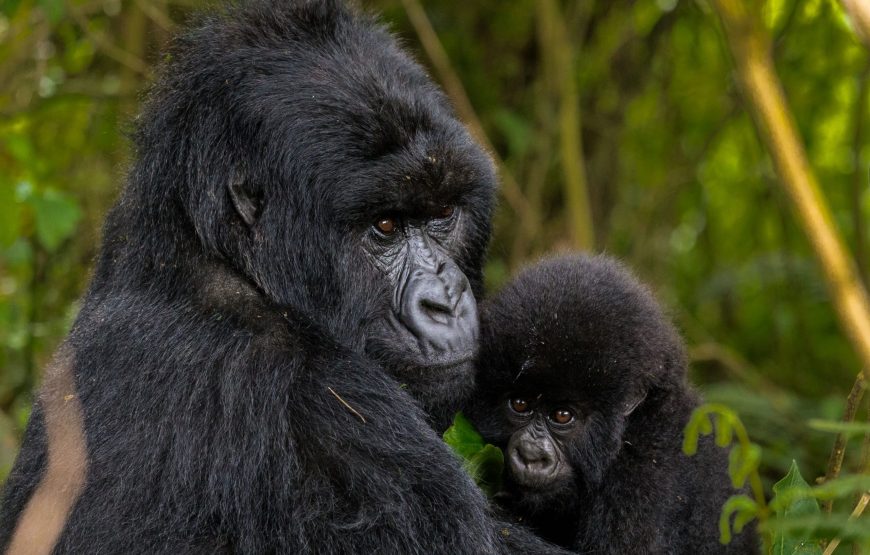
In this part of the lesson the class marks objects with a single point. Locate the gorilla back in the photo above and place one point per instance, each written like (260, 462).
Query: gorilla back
(301, 234)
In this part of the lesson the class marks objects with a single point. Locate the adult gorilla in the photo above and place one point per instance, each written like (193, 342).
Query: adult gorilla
(294, 256)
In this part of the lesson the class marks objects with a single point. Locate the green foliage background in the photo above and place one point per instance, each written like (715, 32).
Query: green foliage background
(678, 182)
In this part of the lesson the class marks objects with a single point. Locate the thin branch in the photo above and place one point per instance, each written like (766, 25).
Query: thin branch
(456, 91)
(859, 508)
(835, 461)
(750, 46)
(346, 404)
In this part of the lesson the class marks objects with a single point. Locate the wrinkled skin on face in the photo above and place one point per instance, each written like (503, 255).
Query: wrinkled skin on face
(433, 314)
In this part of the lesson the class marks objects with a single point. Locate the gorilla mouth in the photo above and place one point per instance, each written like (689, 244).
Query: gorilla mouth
(432, 373)
(536, 480)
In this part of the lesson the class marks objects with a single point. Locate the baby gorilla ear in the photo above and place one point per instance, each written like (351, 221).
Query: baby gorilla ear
(246, 200)
(633, 402)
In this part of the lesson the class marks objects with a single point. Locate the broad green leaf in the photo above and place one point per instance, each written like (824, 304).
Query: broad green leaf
(462, 437)
(484, 462)
(56, 216)
(486, 467)
(789, 542)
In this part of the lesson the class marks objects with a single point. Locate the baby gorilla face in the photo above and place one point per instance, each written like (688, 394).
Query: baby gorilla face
(539, 468)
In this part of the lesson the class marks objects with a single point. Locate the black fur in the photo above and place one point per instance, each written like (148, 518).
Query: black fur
(581, 331)
(233, 304)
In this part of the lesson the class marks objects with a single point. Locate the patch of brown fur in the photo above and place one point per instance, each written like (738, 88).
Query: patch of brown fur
(45, 515)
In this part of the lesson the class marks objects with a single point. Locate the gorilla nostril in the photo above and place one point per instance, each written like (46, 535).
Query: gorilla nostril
(438, 311)
(534, 459)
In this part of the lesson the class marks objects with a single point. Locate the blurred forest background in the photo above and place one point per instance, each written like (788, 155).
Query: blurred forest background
(619, 126)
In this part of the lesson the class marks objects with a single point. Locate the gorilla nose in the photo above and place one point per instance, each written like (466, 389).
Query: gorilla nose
(532, 462)
(440, 310)
(534, 459)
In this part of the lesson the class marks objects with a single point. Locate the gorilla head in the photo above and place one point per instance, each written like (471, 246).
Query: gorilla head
(569, 350)
(334, 180)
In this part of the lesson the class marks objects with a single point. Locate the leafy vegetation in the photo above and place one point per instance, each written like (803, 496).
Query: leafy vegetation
(483, 461)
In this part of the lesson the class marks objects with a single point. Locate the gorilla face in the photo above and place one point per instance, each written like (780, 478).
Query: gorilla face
(432, 322)
(541, 434)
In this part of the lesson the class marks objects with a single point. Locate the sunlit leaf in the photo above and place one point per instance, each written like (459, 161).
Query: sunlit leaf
(486, 467)
(462, 437)
(482, 461)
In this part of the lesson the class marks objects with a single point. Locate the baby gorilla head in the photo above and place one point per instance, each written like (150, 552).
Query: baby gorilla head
(570, 349)
(582, 380)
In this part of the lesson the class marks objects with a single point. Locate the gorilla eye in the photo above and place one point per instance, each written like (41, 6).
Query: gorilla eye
(562, 416)
(446, 211)
(519, 405)
(387, 226)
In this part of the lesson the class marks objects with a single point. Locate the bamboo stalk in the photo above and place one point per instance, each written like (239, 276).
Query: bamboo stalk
(750, 46)
(558, 54)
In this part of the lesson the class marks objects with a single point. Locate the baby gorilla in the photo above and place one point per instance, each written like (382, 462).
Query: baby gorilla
(582, 381)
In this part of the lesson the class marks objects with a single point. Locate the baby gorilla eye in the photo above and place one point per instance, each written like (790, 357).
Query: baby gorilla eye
(519, 405)
(446, 211)
(387, 226)
(562, 416)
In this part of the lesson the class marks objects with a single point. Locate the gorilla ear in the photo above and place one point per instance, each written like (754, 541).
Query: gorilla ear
(633, 402)
(246, 202)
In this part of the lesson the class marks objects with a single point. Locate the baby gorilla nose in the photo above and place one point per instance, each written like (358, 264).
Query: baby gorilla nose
(532, 462)
(440, 310)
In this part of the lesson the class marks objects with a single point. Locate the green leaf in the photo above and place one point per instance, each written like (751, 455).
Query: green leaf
(837, 427)
(792, 501)
(462, 437)
(724, 430)
(842, 487)
(693, 430)
(744, 509)
(484, 462)
(56, 216)
(742, 462)
(486, 467)
(822, 526)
